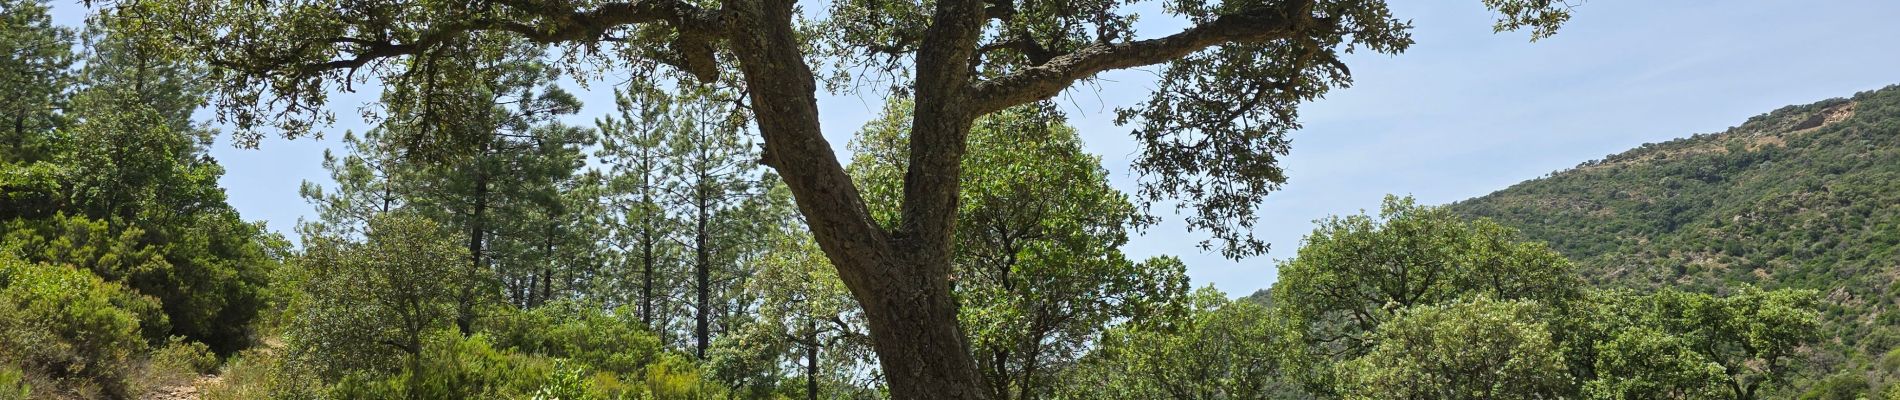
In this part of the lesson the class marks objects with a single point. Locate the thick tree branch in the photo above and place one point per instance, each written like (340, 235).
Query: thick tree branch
(939, 128)
(1052, 77)
(784, 99)
(697, 29)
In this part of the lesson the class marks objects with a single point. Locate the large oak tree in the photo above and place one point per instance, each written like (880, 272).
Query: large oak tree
(1210, 134)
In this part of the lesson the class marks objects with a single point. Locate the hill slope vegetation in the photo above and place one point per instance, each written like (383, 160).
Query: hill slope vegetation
(1802, 197)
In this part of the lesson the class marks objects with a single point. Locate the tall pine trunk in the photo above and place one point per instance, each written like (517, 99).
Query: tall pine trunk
(702, 274)
(647, 240)
(477, 239)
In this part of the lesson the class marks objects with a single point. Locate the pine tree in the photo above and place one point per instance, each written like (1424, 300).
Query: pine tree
(35, 72)
(632, 144)
(715, 169)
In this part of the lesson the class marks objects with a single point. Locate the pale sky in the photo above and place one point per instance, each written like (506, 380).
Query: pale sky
(1463, 113)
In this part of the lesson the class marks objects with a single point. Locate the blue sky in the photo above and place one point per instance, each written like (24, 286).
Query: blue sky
(1463, 113)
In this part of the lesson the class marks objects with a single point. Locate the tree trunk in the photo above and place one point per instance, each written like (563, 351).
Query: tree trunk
(702, 273)
(547, 265)
(646, 252)
(811, 358)
(916, 335)
(477, 238)
(900, 279)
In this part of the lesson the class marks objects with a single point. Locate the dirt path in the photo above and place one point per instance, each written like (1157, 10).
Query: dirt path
(187, 391)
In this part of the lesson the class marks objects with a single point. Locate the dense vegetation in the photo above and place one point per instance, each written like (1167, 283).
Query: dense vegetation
(1803, 197)
(1229, 88)
(696, 243)
(114, 236)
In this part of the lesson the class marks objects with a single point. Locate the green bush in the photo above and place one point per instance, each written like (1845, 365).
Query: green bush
(1480, 348)
(179, 362)
(262, 374)
(185, 355)
(13, 384)
(453, 367)
(208, 275)
(1841, 386)
(68, 325)
(28, 190)
(603, 340)
(673, 376)
(567, 381)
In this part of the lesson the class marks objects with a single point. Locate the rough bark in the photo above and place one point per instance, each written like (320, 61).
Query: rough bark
(901, 284)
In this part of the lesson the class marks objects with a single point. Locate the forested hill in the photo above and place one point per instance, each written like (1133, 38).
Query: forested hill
(1802, 197)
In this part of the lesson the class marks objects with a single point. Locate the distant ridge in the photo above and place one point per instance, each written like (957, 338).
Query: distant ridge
(1805, 196)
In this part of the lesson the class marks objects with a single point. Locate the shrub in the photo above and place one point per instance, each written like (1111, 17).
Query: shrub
(453, 367)
(68, 325)
(185, 355)
(603, 340)
(208, 273)
(180, 361)
(13, 385)
(567, 381)
(673, 376)
(1841, 386)
(261, 374)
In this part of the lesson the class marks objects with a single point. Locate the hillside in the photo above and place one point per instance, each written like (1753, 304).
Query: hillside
(1802, 197)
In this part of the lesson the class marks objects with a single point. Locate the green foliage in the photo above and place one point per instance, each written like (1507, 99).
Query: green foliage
(1210, 136)
(1466, 349)
(209, 279)
(633, 146)
(262, 373)
(675, 377)
(451, 366)
(1644, 363)
(565, 382)
(35, 73)
(806, 317)
(368, 304)
(1794, 198)
(182, 355)
(67, 325)
(29, 190)
(13, 385)
(1752, 335)
(1218, 349)
(1840, 386)
(117, 182)
(1040, 273)
(177, 363)
(607, 341)
(1424, 304)
(1685, 345)
(1357, 273)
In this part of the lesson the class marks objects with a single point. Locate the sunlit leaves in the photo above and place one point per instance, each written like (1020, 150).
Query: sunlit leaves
(1477, 348)
(1355, 272)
